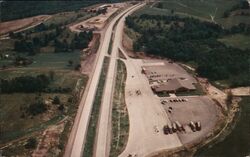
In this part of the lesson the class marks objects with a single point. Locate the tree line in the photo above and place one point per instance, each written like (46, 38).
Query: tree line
(26, 84)
(191, 40)
(242, 4)
(25, 43)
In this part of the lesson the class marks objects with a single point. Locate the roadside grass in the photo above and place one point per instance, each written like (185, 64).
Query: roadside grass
(91, 133)
(239, 138)
(238, 40)
(111, 43)
(120, 119)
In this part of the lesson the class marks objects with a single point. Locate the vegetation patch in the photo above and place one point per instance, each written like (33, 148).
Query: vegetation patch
(120, 120)
(91, 133)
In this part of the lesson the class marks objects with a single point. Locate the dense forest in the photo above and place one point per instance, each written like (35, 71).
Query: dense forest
(11, 10)
(193, 41)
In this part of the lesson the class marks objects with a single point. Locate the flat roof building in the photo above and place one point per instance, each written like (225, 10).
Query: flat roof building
(173, 86)
(168, 78)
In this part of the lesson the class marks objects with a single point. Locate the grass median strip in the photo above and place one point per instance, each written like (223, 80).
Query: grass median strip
(90, 138)
(120, 120)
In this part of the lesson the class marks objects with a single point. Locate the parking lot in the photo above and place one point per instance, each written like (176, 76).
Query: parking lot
(196, 109)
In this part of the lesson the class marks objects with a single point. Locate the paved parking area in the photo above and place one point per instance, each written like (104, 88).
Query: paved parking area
(197, 108)
(146, 116)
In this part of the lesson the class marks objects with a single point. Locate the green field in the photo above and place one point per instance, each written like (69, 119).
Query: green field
(238, 40)
(237, 143)
(55, 60)
(68, 17)
(50, 60)
(201, 9)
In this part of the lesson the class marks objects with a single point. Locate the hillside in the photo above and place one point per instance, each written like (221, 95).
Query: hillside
(22, 9)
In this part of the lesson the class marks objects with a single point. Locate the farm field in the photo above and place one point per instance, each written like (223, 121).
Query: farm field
(56, 60)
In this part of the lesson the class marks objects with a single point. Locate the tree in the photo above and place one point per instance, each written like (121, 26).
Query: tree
(31, 143)
(244, 4)
(61, 107)
(78, 67)
(160, 5)
(37, 108)
(172, 11)
(56, 100)
(229, 98)
(70, 62)
(51, 75)
(11, 35)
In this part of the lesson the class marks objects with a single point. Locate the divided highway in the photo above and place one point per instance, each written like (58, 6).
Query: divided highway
(103, 137)
(76, 141)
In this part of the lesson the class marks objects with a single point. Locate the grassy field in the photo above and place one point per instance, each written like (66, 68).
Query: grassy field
(151, 11)
(50, 60)
(68, 17)
(236, 143)
(238, 40)
(56, 60)
(90, 137)
(120, 121)
(198, 9)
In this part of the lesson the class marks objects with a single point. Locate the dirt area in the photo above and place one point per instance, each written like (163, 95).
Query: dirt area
(90, 55)
(214, 92)
(50, 140)
(15, 25)
(97, 22)
(241, 91)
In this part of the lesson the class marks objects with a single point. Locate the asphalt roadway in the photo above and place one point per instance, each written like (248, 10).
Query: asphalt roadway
(76, 140)
(103, 135)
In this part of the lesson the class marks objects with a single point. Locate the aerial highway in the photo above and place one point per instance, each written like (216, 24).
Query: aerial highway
(103, 137)
(76, 140)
